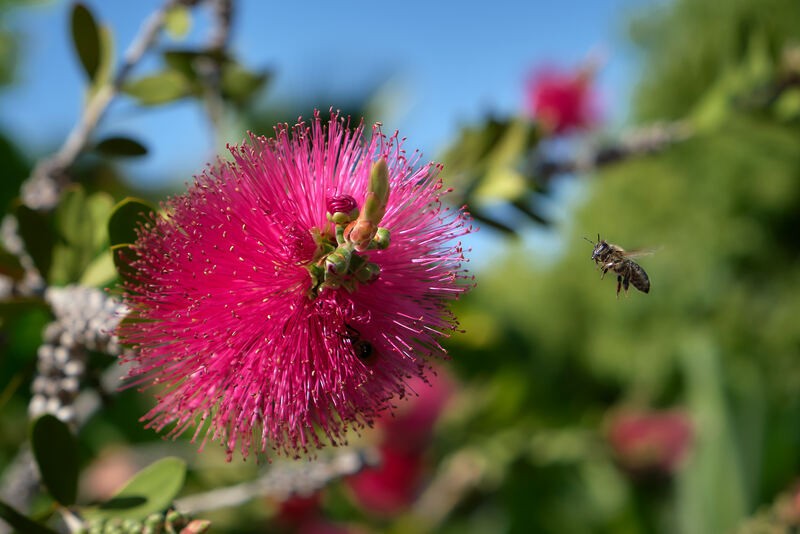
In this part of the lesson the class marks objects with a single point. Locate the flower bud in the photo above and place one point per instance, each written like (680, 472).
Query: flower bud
(342, 209)
(360, 233)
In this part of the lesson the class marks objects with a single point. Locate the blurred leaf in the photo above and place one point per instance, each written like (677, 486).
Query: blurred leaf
(105, 70)
(100, 206)
(711, 489)
(151, 490)
(22, 523)
(56, 452)
(164, 87)
(86, 39)
(178, 21)
(10, 265)
(120, 146)
(124, 219)
(35, 229)
(123, 256)
(76, 228)
(100, 272)
(239, 84)
(787, 107)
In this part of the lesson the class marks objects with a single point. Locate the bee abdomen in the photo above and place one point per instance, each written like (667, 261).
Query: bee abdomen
(639, 278)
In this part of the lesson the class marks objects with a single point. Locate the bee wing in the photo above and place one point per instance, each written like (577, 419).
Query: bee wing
(639, 252)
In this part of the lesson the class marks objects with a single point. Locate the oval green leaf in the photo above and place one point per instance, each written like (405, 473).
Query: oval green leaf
(178, 21)
(56, 453)
(20, 522)
(160, 88)
(36, 231)
(120, 146)
(125, 218)
(86, 39)
(151, 490)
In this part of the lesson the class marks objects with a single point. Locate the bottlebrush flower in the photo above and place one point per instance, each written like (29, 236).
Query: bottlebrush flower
(562, 101)
(650, 442)
(271, 321)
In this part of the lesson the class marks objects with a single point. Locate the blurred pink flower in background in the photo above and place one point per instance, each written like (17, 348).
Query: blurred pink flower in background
(404, 438)
(650, 442)
(562, 101)
(271, 322)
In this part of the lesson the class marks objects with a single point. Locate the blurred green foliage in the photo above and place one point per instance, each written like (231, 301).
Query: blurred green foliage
(550, 355)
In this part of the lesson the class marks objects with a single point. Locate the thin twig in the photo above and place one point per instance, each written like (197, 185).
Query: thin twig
(210, 65)
(282, 481)
(41, 190)
(637, 142)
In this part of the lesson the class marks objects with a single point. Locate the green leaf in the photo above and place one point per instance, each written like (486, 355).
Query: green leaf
(178, 21)
(124, 219)
(21, 523)
(76, 229)
(100, 272)
(100, 206)
(123, 255)
(239, 84)
(56, 453)
(10, 265)
(86, 39)
(151, 490)
(120, 146)
(161, 88)
(36, 231)
(105, 70)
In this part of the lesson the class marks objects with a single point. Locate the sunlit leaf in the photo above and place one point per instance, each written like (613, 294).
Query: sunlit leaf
(86, 39)
(56, 453)
(151, 490)
(178, 21)
(161, 88)
(100, 272)
(121, 146)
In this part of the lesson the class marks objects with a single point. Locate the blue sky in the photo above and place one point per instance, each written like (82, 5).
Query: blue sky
(444, 63)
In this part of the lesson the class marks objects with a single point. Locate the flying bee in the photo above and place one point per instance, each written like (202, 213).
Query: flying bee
(611, 257)
(362, 348)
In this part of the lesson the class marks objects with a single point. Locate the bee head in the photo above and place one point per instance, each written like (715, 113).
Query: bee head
(600, 247)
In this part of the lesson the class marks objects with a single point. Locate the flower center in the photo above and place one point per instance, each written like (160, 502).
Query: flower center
(338, 259)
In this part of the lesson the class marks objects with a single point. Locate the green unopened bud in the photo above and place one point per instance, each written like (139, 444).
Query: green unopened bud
(378, 192)
(368, 272)
(196, 526)
(360, 233)
(381, 239)
(338, 261)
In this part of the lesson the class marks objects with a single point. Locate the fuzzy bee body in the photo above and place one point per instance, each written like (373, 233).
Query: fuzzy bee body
(611, 257)
(362, 348)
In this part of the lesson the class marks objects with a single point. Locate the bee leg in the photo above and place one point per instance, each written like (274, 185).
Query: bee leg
(619, 284)
(625, 284)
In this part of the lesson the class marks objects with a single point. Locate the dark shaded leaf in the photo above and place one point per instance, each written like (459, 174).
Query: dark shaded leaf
(239, 84)
(86, 39)
(56, 453)
(36, 231)
(161, 88)
(121, 146)
(10, 265)
(125, 217)
(22, 523)
(151, 490)
(122, 256)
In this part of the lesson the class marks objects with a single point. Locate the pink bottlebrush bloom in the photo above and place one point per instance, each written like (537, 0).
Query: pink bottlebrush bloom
(561, 101)
(409, 428)
(646, 442)
(392, 485)
(265, 325)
